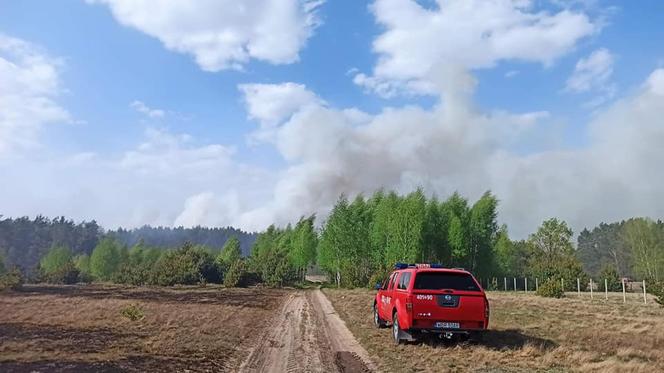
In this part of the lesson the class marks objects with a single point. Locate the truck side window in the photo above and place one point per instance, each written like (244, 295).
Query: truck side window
(394, 279)
(404, 281)
(386, 282)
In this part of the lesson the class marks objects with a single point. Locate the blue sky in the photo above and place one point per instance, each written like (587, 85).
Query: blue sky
(531, 105)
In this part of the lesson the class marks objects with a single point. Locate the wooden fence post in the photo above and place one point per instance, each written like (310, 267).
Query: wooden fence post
(606, 290)
(645, 298)
(623, 287)
(525, 280)
(505, 278)
(591, 288)
(578, 287)
(514, 283)
(562, 284)
(536, 285)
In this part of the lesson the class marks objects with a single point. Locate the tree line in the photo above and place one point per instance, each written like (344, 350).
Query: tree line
(633, 247)
(24, 241)
(111, 261)
(361, 240)
(356, 246)
(279, 257)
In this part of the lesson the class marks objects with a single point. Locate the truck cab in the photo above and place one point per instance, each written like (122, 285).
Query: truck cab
(420, 299)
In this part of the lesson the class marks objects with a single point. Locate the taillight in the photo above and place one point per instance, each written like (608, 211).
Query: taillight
(409, 303)
(486, 309)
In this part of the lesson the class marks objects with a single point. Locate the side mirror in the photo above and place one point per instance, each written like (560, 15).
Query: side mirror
(378, 286)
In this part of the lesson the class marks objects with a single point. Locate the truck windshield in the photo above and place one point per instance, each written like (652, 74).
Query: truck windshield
(444, 280)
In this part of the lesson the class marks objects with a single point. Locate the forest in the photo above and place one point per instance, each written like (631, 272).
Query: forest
(24, 241)
(356, 246)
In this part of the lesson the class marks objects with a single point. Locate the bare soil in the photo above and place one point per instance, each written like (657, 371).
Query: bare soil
(307, 336)
(189, 329)
(527, 333)
(80, 328)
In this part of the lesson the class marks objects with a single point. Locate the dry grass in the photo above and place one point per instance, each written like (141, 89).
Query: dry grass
(528, 333)
(76, 328)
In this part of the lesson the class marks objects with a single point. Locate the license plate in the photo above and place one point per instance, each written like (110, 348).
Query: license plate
(447, 325)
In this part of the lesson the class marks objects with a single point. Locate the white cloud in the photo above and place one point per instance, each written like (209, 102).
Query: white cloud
(271, 104)
(655, 82)
(224, 34)
(454, 147)
(592, 72)
(29, 85)
(465, 34)
(140, 107)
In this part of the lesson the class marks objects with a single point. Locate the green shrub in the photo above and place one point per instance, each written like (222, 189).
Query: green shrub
(493, 285)
(133, 312)
(11, 280)
(276, 269)
(657, 289)
(132, 274)
(236, 276)
(66, 273)
(550, 289)
(188, 265)
(2, 265)
(377, 278)
(610, 273)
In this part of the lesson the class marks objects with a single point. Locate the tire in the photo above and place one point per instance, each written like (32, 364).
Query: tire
(396, 330)
(378, 322)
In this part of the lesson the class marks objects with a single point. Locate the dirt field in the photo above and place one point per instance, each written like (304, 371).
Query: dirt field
(528, 333)
(81, 329)
(308, 336)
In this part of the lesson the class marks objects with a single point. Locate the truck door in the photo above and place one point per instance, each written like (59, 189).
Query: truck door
(387, 297)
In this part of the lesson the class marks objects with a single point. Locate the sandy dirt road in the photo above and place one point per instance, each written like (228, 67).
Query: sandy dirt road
(307, 336)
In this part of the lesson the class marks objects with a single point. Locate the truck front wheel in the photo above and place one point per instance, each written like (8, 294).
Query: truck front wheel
(396, 330)
(380, 323)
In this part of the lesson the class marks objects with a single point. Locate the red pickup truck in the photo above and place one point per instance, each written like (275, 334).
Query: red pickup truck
(427, 299)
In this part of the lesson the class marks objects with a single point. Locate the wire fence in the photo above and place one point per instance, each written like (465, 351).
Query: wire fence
(629, 290)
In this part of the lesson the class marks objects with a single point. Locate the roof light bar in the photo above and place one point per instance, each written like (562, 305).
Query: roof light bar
(417, 265)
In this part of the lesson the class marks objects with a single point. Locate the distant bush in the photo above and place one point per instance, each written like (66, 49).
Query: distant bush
(610, 273)
(58, 267)
(133, 312)
(493, 285)
(657, 289)
(550, 289)
(188, 265)
(105, 259)
(275, 269)
(132, 274)
(237, 275)
(55, 260)
(11, 280)
(82, 263)
(229, 254)
(2, 266)
(66, 274)
(378, 277)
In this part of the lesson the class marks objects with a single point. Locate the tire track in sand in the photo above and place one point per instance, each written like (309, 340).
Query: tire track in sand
(307, 336)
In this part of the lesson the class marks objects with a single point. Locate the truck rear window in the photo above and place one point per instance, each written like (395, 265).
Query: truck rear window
(444, 280)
